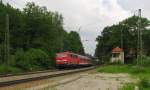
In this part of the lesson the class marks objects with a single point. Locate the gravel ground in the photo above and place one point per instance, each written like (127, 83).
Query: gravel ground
(89, 80)
(96, 82)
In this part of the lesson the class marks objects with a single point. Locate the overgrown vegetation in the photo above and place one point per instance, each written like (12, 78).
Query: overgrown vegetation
(128, 87)
(144, 84)
(5, 69)
(36, 35)
(143, 73)
(125, 69)
(125, 31)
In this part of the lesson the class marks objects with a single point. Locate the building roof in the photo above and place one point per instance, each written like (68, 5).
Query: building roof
(117, 49)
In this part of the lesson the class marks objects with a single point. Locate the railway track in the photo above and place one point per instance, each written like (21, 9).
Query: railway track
(18, 74)
(22, 78)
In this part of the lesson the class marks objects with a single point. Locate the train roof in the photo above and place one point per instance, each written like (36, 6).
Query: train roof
(81, 56)
(63, 53)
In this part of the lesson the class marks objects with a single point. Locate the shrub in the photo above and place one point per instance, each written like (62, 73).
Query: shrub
(128, 87)
(106, 59)
(5, 69)
(145, 61)
(33, 59)
(52, 58)
(145, 83)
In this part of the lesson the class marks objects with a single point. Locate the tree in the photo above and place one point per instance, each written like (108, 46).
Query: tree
(75, 44)
(111, 37)
(35, 30)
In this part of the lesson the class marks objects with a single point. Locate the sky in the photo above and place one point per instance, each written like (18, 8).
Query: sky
(89, 17)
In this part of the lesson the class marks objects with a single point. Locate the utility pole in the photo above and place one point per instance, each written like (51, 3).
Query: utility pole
(79, 34)
(141, 39)
(139, 47)
(102, 51)
(7, 53)
(121, 39)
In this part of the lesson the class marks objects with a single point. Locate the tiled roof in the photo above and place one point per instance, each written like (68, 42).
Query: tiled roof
(117, 49)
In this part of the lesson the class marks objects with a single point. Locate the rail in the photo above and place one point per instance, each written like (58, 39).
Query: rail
(15, 79)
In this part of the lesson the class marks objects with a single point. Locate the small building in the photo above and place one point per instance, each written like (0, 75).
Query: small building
(117, 55)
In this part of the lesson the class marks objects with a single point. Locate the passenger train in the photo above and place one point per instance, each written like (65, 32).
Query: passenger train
(69, 59)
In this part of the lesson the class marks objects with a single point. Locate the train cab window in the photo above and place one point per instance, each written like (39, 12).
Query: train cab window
(73, 56)
(61, 55)
(70, 55)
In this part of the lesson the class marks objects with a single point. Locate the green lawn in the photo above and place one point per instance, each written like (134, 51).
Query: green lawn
(115, 69)
(143, 73)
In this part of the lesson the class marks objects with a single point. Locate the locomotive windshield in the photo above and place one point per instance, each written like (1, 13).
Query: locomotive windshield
(61, 55)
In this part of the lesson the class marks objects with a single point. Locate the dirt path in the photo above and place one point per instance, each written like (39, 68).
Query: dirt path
(96, 82)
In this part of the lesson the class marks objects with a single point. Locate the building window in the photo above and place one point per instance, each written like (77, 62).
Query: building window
(115, 55)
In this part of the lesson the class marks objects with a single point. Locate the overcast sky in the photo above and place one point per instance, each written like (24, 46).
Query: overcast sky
(91, 16)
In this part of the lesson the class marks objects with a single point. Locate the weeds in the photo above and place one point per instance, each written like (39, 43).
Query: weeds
(143, 73)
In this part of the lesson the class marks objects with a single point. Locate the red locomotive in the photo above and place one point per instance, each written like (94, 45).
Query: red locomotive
(65, 59)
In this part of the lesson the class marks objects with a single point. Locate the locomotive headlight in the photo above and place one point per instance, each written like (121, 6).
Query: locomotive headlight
(59, 60)
(64, 60)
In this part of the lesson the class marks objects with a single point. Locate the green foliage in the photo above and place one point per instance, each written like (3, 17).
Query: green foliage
(129, 86)
(4, 69)
(33, 59)
(145, 83)
(114, 69)
(127, 30)
(36, 35)
(75, 44)
(145, 61)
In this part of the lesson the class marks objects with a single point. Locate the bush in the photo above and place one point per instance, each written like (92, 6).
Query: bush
(5, 69)
(33, 59)
(128, 87)
(145, 61)
(106, 59)
(144, 83)
(52, 58)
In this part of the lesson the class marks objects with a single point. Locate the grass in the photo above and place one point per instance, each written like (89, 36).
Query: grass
(144, 84)
(114, 69)
(125, 69)
(143, 73)
(4, 69)
(10, 69)
(128, 87)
